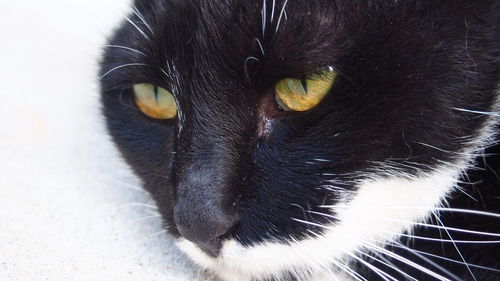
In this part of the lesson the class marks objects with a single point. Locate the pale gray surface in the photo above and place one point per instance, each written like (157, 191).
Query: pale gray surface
(66, 200)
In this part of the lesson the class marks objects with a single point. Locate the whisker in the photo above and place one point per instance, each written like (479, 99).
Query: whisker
(157, 233)
(456, 247)
(245, 66)
(378, 271)
(143, 218)
(496, 114)
(272, 11)
(125, 48)
(137, 28)
(139, 15)
(388, 265)
(445, 151)
(119, 67)
(151, 212)
(281, 15)
(260, 46)
(439, 209)
(406, 261)
(466, 211)
(130, 186)
(442, 269)
(399, 245)
(393, 255)
(135, 204)
(440, 240)
(263, 13)
(440, 227)
(436, 226)
(447, 229)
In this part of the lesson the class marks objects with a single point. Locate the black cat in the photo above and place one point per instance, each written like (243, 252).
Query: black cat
(316, 139)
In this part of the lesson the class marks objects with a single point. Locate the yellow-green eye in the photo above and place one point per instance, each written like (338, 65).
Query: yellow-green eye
(303, 94)
(155, 101)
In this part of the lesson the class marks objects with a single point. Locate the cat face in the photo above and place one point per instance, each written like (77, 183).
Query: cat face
(255, 190)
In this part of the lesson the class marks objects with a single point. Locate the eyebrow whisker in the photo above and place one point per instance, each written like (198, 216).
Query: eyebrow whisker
(119, 67)
(125, 48)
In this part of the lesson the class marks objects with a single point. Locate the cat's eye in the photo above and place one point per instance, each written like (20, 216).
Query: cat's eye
(154, 101)
(302, 94)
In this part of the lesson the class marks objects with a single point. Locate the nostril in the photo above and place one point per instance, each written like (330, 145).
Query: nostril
(206, 230)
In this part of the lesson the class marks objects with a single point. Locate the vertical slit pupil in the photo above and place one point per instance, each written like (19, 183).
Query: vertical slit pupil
(303, 81)
(155, 89)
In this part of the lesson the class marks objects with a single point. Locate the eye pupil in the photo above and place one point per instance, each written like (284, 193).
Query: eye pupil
(156, 93)
(303, 81)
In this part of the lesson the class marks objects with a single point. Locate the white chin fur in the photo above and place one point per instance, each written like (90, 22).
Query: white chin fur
(379, 212)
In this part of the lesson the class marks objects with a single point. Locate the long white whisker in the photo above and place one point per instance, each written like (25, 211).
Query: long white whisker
(125, 48)
(151, 212)
(466, 211)
(157, 233)
(456, 247)
(496, 114)
(260, 46)
(395, 244)
(440, 240)
(131, 186)
(399, 245)
(119, 67)
(281, 15)
(439, 209)
(348, 270)
(139, 15)
(138, 29)
(387, 264)
(134, 204)
(435, 226)
(272, 11)
(419, 224)
(388, 253)
(406, 261)
(263, 13)
(378, 271)
(445, 151)
(144, 218)
(425, 225)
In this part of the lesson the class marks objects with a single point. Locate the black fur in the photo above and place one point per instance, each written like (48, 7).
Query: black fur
(404, 67)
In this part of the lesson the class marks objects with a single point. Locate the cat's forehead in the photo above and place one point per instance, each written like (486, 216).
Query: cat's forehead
(236, 35)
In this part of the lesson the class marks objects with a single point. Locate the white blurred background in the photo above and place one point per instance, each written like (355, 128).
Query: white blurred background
(69, 207)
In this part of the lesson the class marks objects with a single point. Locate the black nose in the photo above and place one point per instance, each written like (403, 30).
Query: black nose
(205, 229)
